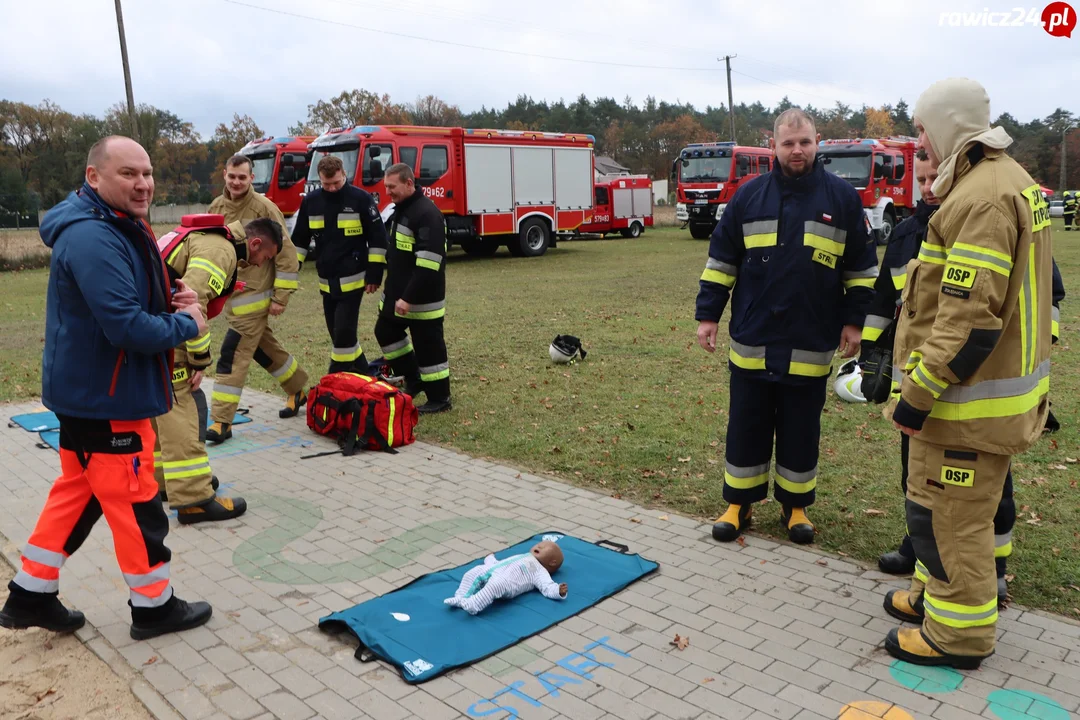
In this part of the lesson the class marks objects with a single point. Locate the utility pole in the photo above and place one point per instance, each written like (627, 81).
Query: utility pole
(127, 73)
(730, 104)
(1064, 131)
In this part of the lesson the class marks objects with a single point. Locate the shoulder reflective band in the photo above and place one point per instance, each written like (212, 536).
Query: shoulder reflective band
(316, 222)
(287, 280)
(761, 233)
(824, 237)
(975, 256)
(931, 253)
(428, 260)
(860, 278)
(376, 255)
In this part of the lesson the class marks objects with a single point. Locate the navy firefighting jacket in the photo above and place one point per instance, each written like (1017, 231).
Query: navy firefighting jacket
(797, 259)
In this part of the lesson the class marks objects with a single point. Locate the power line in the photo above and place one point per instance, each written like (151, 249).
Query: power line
(381, 31)
(803, 92)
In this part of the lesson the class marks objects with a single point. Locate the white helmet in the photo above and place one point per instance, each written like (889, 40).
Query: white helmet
(848, 384)
(566, 349)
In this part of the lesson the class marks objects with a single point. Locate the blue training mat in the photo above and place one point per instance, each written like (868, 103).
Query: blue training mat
(413, 630)
(51, 438)
(46, 420)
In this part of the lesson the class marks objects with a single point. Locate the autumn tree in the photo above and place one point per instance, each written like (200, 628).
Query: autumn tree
(432, 111)
(879, 123)
(173, 145)
(668, 138)
(356, 107)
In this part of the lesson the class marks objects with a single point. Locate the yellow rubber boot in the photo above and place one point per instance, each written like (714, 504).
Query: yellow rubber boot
(910, 645)
(901, 606)
(732, 523)
(800, 529)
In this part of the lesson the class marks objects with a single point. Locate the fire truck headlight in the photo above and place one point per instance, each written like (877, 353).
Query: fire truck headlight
(680, 211)
(720, 210)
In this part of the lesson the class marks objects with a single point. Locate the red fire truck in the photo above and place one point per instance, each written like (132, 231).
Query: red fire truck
(883, 171)
(279, 166)
(708, 176)
(622, 204)
(517, 188)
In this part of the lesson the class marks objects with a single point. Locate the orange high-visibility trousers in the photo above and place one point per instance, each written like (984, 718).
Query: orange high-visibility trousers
(107, 467)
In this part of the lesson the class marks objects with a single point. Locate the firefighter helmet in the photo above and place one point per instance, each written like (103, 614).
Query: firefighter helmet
(848, 384)
(566, 349)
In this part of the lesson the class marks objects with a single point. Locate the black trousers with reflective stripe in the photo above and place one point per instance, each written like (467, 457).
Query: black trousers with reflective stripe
(429, 349)
(761, 409)
(342, 314)
(1004, 519)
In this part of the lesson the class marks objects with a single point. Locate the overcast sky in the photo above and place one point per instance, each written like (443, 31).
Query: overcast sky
(205, 59)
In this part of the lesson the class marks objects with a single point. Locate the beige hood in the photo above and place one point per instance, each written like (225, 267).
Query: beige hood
(956, 113)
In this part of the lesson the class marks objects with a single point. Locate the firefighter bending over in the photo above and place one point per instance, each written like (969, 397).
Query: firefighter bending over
(206, 260)
(414, 299)
(265, 294)
(793, 252)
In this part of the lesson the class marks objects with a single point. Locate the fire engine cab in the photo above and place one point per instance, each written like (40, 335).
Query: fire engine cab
(708, 174)
(623, 204)
(278, 167)
(883, 173)
(517, 188)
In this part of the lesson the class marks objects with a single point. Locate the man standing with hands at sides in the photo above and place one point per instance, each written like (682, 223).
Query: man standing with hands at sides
(351, 242)
(266, 292)
(794, 254)
(109, 333)
(973, 338)
(414, 301)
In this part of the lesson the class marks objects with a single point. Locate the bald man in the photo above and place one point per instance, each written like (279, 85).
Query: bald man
(110, 327)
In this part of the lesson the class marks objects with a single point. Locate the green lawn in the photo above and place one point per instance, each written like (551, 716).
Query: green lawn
(643, 417)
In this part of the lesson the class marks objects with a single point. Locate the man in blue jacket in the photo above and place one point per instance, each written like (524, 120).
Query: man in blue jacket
(106, 371)
(793, 252)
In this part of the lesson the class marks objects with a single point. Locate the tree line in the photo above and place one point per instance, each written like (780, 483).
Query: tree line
(43, 147)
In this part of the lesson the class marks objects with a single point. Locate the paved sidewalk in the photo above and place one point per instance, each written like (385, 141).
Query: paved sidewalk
(775, 631)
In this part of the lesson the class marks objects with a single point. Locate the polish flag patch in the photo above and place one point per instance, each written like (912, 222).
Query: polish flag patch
(826, 218)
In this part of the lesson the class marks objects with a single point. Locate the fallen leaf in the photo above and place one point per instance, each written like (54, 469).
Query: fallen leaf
(873, 513)
(684, 460)
(635, 520)
(662, 517)
(822, 563)
(842, 554)
(1058, 466)
(45, 694)
(151, 661)
(707, 680)
(741, 541)
(680, 642)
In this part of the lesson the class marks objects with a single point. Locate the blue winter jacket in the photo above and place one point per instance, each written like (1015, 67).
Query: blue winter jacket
(796, 258)
(109, 329)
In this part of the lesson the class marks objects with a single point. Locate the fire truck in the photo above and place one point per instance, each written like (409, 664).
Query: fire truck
(518, 188)
(279, 166)
(622, 204)
(708, 176)
(882, 171)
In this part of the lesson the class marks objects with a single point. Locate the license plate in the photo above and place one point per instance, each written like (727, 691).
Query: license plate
(701, 201)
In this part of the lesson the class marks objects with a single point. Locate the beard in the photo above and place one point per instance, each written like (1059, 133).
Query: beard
(790, 171)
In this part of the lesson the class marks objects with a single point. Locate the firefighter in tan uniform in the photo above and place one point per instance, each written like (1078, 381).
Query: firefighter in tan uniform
(207, 262)
(266, 292)
(974, 337)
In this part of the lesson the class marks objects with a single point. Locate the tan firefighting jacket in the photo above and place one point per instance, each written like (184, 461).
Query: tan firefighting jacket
(274, 281)
(205, 262)
(974, 331)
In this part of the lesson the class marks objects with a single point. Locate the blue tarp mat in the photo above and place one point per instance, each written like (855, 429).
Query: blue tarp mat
(413, 630)
(46, 420)
(50, 438)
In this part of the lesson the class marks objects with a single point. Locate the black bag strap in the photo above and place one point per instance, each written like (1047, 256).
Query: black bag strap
(371, 432)
(349, 443)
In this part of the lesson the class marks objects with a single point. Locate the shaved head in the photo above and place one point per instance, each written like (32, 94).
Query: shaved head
(118, 169)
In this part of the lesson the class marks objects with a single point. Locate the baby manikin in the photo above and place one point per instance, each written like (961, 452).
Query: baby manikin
(511, 577)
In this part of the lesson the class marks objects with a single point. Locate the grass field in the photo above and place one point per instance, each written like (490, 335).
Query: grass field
(643, 417)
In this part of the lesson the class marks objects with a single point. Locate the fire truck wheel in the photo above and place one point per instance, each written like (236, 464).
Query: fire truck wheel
(700, 232)
(533, 239)
(633, 231)
(481, 247)
(888, 222)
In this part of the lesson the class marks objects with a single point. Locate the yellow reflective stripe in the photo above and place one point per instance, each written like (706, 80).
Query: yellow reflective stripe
(324, 285)
(991, 407)
(794, 487)
(390, 426)
(746, 363)
(928, 252)
(808, 369)
(1003, 550)
(177, 474)
(286, 284)
(928, 381)
(286, 371)
(1040, 208)
(430, 315)
(374, 257)
(186, 463)
(1033, 337)
(960, 616)
(975, 256)
(914, 359)
(921, 573)
(251, 307)
(745, 483)
(759, 240)
(859, 282)
(428, 264)
(212, 269)
(349, 223)
(349, 286)
(899, 280)
(225, 397)
(715, 276)
(871, 334)
(345, 354)
(316, 222)
(1055, 328)
(823, 243)
(199, 344)
(400, 352)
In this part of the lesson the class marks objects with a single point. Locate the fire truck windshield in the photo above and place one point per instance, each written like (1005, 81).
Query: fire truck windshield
(853, 167)
(705, 169)
(262, 170)
(348, 157)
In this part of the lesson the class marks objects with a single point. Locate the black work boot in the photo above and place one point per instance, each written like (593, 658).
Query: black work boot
(174, 616)
(219, 432)
(800, 529)
(413, 387)
(1002, 583)
(435, 405)
(293, 404)
(216, 508)
(732, 523)
(896, 563)
(213, 483)
(25, 609)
